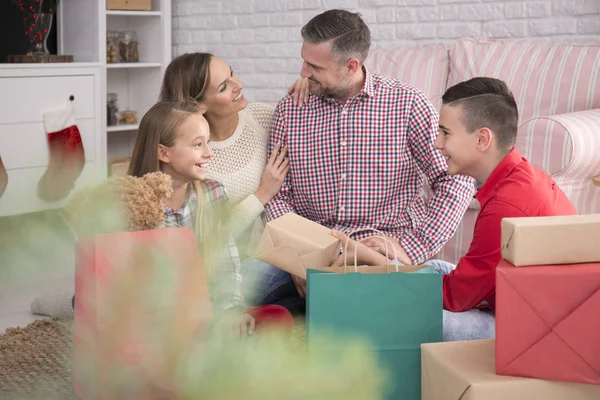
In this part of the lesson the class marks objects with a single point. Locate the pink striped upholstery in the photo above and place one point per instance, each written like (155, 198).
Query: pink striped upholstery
(567, 146)
(425, 68)
(547, 78)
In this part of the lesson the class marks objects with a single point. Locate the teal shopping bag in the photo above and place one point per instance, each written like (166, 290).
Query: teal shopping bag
(395, 312)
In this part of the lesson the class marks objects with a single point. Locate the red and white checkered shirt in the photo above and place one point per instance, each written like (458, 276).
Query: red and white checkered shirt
(362, 164)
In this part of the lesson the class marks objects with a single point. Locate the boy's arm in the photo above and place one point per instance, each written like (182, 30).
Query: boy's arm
(473, 279)
(451, 194)
(283, 202)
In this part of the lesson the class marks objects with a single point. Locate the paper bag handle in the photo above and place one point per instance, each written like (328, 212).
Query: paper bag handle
(382, 237)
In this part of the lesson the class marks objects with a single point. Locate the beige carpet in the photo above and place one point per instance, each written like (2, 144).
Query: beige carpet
(35, 361)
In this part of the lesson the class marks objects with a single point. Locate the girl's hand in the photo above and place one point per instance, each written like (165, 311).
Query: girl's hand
(236, 325)
(300, 91)
(243, 325)
(273, 175)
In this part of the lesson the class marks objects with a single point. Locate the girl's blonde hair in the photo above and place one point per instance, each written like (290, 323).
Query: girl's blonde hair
(158, 126)
(186, 78)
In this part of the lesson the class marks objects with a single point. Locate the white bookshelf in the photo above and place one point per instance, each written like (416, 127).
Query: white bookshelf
(84, 28)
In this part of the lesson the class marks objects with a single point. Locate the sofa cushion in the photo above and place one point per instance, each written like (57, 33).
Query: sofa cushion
(547, 78)
(566, 146)
(424, 67)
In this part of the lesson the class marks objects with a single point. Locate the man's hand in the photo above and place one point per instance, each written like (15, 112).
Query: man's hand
(300, 285)
(379, 246)
(364, 254)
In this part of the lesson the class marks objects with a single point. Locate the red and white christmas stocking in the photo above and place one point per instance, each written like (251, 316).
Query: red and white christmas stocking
(67, 157)
(3, 177)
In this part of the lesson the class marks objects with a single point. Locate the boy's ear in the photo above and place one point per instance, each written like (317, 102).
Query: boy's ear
(163, 154)
(484, 139)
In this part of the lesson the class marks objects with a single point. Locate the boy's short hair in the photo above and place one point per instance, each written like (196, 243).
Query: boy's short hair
(486, 102)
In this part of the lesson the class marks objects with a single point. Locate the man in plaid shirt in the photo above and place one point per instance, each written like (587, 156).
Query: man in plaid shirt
(361, 147)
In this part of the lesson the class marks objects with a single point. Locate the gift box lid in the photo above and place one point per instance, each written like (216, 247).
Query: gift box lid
(306, 235)
(551, 240)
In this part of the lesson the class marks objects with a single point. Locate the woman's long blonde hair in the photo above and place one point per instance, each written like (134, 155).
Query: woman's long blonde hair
(186, 78)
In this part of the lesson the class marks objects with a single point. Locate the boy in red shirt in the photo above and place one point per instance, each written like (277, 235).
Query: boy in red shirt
(478, 129)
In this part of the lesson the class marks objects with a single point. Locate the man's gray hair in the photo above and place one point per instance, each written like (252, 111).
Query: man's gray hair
(351, 37)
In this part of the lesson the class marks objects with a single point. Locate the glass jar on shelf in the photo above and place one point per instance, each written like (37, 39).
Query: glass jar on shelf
(112, 47)
(129, 47)
(128, 117)
(112, 109)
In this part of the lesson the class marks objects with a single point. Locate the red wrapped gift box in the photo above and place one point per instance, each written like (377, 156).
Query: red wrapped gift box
(141, 300)
(548, 322)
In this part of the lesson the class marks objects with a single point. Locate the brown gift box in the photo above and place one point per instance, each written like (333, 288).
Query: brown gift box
(465, 370)
(551, 240)
(294, 243)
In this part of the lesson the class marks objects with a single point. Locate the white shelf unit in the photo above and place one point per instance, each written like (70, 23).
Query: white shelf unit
(84, 28)
(134, 13)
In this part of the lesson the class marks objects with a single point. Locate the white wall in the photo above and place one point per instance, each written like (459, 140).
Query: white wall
(261, 38)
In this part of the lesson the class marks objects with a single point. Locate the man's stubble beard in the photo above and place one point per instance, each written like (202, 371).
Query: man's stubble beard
(338, 92)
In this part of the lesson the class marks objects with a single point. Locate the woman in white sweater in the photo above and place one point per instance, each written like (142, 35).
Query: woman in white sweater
(239, 135)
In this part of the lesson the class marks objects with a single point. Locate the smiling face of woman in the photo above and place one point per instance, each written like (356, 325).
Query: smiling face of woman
(224, 95)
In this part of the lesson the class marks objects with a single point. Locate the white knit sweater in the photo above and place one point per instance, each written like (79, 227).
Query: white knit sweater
(238, 163)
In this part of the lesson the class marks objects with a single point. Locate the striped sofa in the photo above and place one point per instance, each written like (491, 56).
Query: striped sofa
(557, 89)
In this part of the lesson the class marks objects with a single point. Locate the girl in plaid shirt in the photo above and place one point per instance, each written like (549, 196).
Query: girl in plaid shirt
(173, 138)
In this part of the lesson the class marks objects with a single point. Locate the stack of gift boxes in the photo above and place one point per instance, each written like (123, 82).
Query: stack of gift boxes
(547, 342)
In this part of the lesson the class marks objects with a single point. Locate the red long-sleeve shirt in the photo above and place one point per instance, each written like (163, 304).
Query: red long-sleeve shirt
(514, 189)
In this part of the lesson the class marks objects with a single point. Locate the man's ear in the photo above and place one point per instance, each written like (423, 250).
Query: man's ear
(484, 139)
(163, 154)
(353, 65)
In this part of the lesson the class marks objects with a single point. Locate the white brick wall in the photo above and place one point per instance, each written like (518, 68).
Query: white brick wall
(261, 38)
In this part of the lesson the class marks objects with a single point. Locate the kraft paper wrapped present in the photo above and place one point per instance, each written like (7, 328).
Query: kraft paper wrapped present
(294, 243)
(551, 240)
(464, 370)
(548, 322)
(141, 301)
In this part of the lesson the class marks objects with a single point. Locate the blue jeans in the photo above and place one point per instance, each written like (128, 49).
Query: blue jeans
(441, 267)
(263, 284)
(467, 325)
